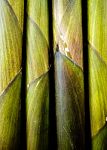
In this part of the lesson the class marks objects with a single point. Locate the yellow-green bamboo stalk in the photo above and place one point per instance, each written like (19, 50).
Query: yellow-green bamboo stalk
(11, 22)
(37, 75)
(97, 37)
(69, 74)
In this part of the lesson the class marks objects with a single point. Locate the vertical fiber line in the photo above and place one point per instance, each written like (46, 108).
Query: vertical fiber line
(86, 73)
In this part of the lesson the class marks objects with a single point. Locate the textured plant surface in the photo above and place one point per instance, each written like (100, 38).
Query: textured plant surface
(68, 65)
(69, 103)
(68, 74)
(11, 24)
(97, 37)
(37, 102)
(68, 29)
(69, 93)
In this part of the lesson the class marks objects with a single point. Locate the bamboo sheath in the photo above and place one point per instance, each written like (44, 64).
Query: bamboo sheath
(97, 49)
(11, 29)
(69, 84)
(37, 102)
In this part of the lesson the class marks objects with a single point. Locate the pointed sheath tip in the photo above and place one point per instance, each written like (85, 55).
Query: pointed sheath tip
(57, 47)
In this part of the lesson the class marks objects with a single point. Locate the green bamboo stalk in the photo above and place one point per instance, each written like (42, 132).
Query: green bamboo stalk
(97, 31)
(69, 74)
(10, 72)
(37, 102)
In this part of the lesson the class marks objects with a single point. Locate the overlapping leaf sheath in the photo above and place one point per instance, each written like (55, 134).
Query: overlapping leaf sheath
(10, 72)
(67, 28)
(69, 103)
(97, 25)
(37, 75)
(69, 75)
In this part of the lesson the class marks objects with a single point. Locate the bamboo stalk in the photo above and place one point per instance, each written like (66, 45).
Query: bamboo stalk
(97, 36)
(10, 72)
(37, 102)
(69, 85)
